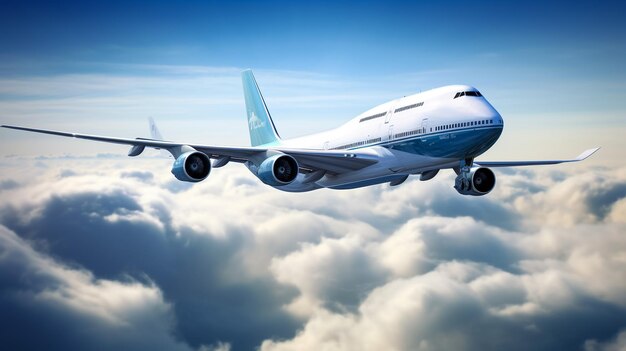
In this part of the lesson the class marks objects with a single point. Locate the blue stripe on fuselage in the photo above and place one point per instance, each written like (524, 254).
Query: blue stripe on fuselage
(456, 143)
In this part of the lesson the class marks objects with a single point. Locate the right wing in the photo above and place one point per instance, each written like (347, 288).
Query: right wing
(332, 161)
(580, 157)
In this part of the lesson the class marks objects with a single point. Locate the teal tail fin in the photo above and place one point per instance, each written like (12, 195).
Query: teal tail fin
(262, 129)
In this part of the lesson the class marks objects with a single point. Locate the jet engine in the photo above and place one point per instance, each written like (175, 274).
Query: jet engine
(192, 166)
(278, 170)
(475, 181)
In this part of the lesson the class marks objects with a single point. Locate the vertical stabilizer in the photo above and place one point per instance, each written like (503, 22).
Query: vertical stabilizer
(262, 129)
(154, 131)
(155, 134)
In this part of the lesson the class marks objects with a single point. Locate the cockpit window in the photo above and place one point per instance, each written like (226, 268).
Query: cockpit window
(468, 93)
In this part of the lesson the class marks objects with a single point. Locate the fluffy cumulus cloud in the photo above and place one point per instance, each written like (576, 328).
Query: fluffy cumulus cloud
(109, 253)
(45, 302)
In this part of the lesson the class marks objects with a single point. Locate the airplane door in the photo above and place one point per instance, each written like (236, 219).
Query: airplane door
(388, 116)
(390, 132)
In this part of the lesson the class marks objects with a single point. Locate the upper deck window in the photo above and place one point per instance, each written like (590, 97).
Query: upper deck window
(372, 117)
(408, 107)
(468, 93)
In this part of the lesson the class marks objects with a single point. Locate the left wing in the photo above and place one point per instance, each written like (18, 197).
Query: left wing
(580, 157)
(332, 161)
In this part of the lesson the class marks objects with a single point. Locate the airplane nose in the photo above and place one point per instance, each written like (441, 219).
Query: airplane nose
(481, 110)
(497, 118)
(488, 112)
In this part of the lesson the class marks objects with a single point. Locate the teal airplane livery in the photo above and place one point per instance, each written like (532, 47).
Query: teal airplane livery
(421, 134)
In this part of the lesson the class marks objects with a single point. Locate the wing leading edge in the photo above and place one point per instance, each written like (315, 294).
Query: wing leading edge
(333, 161)
(580, 157)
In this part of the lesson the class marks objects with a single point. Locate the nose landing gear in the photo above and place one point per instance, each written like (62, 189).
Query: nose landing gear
(463, 181)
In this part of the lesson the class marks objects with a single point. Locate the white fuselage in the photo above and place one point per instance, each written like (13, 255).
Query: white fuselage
(421, 134)
(428, 131)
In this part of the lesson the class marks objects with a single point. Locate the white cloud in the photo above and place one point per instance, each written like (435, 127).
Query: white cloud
(412, 267)
(220, 346)
(617, 344)
(121, 307)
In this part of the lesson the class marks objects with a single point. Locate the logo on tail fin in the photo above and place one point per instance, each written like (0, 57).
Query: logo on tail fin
(254, 122)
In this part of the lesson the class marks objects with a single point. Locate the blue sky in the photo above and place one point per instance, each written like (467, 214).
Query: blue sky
(329, 37)
(102, 251)
(556, 65)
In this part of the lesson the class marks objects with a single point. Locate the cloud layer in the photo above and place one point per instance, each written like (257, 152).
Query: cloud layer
(112, 253)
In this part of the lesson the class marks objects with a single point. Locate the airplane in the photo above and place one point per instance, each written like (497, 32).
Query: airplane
(420, 134)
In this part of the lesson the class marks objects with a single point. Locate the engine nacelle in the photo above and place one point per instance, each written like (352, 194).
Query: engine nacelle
(278, 170)
(192, 166)
(476, 182)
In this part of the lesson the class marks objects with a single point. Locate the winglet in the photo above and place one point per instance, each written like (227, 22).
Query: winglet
(586, 154)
